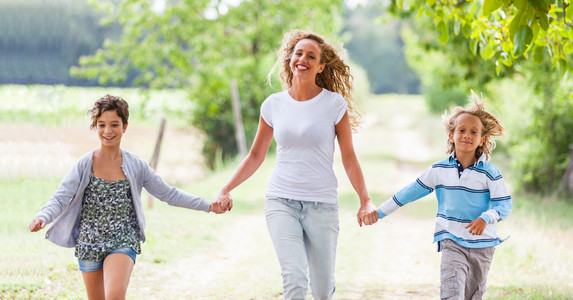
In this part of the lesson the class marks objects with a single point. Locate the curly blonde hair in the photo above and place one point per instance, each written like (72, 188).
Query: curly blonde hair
(492, 126)
(335, 77)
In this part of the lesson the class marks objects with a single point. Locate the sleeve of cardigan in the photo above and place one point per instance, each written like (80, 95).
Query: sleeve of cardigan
(63, 195)
(155, 185)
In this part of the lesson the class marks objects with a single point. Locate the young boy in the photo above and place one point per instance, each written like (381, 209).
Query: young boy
(472, 197)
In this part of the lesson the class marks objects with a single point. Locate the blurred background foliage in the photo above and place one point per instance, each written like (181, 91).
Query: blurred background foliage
(41, 40)
(200, 46)
(440, 49)
(373, 41)
(453, 48)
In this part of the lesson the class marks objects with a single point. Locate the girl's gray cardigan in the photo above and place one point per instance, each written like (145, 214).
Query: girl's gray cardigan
(64, 207)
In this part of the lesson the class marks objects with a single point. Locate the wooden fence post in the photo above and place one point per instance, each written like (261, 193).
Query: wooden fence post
(239, 129)
(155, 158)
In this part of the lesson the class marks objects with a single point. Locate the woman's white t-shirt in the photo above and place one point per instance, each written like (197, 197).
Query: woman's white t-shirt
(304, 132)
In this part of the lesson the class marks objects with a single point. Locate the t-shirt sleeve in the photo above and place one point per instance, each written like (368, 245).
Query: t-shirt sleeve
(340, 107)
(266, 112)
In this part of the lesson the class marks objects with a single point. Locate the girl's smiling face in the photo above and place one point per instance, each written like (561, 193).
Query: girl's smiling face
(110, 128)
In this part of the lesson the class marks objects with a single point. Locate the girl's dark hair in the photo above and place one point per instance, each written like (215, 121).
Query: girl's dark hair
(109, 102)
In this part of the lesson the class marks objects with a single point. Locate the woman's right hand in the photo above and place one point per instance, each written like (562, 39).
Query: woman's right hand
(248, 166)
(224, 201)
(37, 224)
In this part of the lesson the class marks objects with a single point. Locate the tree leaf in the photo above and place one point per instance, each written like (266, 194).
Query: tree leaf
(542, 20)
(521, 40)
(521, 5)
(567, 47)
(444, 34)
(538, 54)
(506, 59)
(562, 66)
(534, 30)
(490, 6)
(569, 11)
(474, 46)
(487, 52)
(467, 30)
(542, 5)
(514, 25)
(457, 27)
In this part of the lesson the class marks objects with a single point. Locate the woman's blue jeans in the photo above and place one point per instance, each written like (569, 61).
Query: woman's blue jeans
(304, 234)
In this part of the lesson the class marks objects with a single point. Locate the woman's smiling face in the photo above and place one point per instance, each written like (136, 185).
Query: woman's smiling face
(305, 60)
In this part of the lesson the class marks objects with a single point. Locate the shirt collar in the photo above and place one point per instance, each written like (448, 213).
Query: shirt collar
(480, 160)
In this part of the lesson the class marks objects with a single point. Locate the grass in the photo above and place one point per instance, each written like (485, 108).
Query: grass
(55, 106)
(190, 254)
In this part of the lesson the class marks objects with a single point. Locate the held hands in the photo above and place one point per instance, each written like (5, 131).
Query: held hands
(477, 226)
(222, 204)
(367, 214)
(37, 224)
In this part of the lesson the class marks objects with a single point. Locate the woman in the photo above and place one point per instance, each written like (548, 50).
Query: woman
(301, 210)
(97, 208)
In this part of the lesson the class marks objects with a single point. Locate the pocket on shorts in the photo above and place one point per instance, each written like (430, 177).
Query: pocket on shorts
(449, 284)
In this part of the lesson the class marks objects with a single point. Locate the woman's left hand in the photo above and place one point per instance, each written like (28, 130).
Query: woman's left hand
(367, 213)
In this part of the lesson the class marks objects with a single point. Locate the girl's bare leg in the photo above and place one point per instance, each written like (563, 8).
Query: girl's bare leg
(117, 269)
(94, 284)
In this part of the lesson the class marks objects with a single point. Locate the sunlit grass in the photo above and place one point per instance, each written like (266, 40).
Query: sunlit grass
(231, 256)
(60, 105)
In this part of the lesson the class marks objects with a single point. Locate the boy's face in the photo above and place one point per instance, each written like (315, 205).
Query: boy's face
(467, 134)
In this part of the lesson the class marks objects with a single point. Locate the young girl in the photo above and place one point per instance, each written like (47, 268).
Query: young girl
(472, 198)
(301, 210)
(97, 208)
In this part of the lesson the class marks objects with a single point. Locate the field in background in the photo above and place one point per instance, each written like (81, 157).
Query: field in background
(46, 129)
(193, 255)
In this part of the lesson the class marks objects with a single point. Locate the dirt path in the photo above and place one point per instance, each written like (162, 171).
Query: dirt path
(242, 251)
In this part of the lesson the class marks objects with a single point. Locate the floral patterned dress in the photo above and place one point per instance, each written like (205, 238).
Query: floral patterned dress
(107, 220)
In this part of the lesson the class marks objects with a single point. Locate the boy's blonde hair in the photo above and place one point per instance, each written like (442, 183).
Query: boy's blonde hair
(492, 126)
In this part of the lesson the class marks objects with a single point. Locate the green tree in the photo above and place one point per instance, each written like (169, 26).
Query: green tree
(200, 46)
(501, 30)
(543, 127)
(525, 40)
(447, 72)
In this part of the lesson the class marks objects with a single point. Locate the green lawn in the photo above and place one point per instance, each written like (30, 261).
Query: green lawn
(193, 255)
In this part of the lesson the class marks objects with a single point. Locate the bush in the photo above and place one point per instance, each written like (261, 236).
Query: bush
(538, 114)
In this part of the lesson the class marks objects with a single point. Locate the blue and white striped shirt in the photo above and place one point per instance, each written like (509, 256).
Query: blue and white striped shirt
(479, 192)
